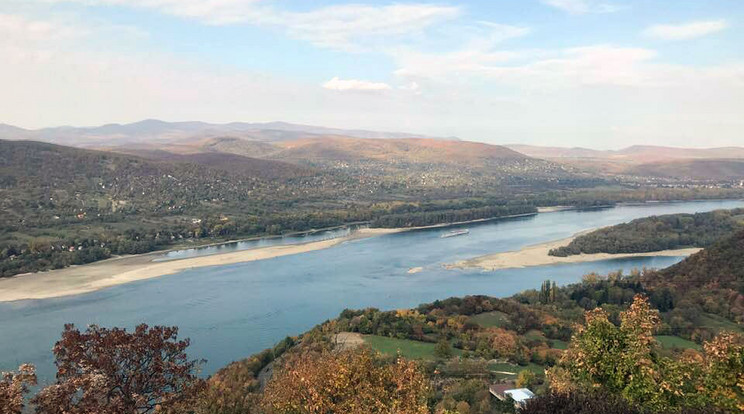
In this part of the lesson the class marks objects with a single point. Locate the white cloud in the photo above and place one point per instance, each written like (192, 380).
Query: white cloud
(344, 85)
(341, 26)
(477, 54)
(583, 6)
(546, 71)
(478, 91)
(345, 27)
(31, 40)
(686, 31)
(22, 29)
(209, 11)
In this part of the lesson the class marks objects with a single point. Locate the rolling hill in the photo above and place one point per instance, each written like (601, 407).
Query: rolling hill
(697, 169)
(414, 151)
(417, 164)
(156, 131)
(720, 266)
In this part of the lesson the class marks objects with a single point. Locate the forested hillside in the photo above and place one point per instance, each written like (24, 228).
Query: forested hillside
(63, 205)
(651, 234)
(711, 280)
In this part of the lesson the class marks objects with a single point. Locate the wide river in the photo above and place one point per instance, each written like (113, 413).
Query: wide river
(230, 312)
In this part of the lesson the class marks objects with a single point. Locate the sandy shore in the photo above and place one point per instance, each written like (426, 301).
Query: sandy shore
(554, 209)
(91, 277)
(537, 255)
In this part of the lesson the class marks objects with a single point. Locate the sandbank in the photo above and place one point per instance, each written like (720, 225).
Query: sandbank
(75, 280)
(537, 255)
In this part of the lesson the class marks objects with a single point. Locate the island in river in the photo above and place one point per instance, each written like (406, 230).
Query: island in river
(538, 255)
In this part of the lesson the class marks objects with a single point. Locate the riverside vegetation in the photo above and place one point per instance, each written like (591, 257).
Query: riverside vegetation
(652, 234)
(603, 344)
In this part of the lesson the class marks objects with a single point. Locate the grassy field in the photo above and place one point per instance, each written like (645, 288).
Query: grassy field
(407, 348)
(558, 344)
(493, 319)
(669, 342)
(504, 367)
(718, 323)
(539, 336)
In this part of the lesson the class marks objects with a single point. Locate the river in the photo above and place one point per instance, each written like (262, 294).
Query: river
(232, 311)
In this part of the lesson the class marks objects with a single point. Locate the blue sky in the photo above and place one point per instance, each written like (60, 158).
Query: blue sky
(595, 73)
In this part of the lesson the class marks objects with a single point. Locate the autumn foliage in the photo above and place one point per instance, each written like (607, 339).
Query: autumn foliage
(13, 387)
(112, 371)
(352, 382)
(624, 360)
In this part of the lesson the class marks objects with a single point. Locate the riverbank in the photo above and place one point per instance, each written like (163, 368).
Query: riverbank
(76, 280)
(537, 255)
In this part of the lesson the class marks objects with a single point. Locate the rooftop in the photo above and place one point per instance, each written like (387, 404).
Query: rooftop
(520, 394)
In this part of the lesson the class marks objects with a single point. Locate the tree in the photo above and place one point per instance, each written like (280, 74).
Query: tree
(463, 407)
(526, 379)
(596, 402)
(353, 382)
(619, 359)
(112, 371)
(443, 349)
(547, 292)
(724, 367)
(13, 387)
(624, 360)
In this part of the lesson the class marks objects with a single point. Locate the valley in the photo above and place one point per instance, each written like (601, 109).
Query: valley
(154, 185)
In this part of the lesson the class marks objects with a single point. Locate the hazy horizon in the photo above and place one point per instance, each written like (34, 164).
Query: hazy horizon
(565, 73)
(413, 134)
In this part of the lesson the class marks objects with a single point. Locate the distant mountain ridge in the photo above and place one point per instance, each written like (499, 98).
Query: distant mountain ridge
(153, 130)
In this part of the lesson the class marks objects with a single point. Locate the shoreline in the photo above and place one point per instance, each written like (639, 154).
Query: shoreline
(537, 255)
(87, 278)
(91, 277)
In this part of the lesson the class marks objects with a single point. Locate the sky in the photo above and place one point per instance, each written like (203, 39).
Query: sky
(594, 73)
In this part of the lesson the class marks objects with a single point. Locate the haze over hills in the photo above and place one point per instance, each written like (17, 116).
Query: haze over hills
(725, 163)
(635, 154)
(155, 131)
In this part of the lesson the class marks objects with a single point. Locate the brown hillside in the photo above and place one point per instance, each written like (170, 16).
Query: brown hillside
(416, 150)
(713, 169)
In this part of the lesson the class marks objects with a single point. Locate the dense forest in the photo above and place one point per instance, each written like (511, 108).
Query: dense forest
(656, 233)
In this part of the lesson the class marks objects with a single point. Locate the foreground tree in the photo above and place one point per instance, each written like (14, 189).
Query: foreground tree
(351, 382)
(623, 360)
(597, 402)
(112, 371)
(13, 387)
(618, 359)
(724, 371)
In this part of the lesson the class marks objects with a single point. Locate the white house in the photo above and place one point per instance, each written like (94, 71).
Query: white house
(519, 395)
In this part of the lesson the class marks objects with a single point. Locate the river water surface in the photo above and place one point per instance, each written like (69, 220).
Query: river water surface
(232, 311)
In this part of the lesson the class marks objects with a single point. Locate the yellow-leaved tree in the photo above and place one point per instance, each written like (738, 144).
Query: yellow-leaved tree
(624, 360)
(353, 382)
